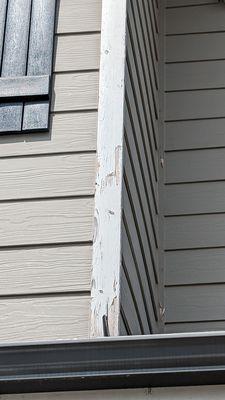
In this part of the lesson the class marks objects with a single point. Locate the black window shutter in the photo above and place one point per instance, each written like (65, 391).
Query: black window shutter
(26, 53)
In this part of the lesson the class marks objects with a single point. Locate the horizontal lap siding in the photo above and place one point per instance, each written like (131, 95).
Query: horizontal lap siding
(39, 270)
(70, 133)
(140, 225)
(43, 318)
(195, 47)
(46, 200)
(46, 221)
(180, 3)
(33, 177)
(195, 19)
(194, 176)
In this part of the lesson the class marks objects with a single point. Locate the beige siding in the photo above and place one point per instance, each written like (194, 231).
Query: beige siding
(43, 318)
(127, 394)
(79, 16)
(74, 52)
(75, 91)
(39, 270)
(46, 195)
(43, 176)
(72, 132)
(189, 393)
(178, 393)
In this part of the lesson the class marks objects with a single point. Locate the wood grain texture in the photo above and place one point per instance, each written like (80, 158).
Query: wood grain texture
(3, 9)
(195, 47)
(195, 165)
(42, 222)
(14, 58)
(42, 318)
(39, 60)
(195, 304)
(69, 133)
(41, 255)
(45, 270)
(188, 267)
(75, 91)
(16, 38)
(77, 52)
(41, 177)
(181, 135)
(79, 16)
(24, 86)
(198, 231)
(208, 18)
(41, 37)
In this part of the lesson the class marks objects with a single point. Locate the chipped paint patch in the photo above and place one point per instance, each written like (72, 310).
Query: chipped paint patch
(108, 196)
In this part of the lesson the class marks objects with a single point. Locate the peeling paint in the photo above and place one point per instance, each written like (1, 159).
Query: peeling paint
(117, 163)
(95, 233)
(107, 237)
(111, 212)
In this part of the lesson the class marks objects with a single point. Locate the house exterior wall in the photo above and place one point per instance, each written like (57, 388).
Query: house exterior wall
(47, 184)
(129, 394)
(178, 393)
(194, 166)
(189, 393)
(140, 272)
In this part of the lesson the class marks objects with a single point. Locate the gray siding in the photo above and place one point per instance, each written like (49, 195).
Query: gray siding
(194, 176)
(140, 276)
(46, 195)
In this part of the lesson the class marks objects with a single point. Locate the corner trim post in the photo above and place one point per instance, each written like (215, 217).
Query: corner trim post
(108, 202)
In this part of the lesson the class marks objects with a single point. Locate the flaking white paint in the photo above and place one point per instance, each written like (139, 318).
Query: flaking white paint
(107, 236)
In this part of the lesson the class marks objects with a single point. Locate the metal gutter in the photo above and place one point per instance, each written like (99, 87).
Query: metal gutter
(129, 362)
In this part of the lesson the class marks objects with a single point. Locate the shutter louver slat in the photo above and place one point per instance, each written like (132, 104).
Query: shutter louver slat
(3, 7)
(40, 60)
(14, 58)
(26, 52)
(24, 86)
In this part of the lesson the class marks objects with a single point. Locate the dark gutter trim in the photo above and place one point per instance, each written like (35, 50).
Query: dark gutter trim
(113, 363)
